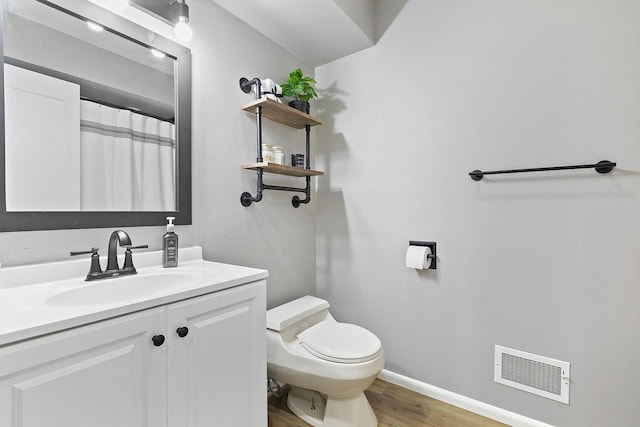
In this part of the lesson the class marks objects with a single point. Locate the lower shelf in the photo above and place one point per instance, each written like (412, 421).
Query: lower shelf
(282, 169)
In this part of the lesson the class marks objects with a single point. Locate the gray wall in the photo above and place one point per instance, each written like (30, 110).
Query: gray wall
(271, 234)
(546, 264)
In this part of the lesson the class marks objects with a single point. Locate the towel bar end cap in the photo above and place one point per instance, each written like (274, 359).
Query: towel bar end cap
(476, 175)
(604, 166)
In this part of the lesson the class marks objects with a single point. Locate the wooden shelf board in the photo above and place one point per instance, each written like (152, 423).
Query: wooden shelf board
(282, 113)
(282, 169)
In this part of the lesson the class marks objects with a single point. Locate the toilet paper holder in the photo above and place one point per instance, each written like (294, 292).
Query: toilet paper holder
(431, 245)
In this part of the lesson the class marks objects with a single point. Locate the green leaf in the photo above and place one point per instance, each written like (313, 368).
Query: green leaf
(298, 86)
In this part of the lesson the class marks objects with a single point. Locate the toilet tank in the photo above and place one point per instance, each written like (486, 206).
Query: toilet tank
(285, 315)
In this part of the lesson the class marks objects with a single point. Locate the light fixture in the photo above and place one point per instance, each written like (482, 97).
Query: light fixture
(95, 27)
(180, 12)
(117, 4)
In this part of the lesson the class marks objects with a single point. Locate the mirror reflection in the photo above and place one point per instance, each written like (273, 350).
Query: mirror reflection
(89, 115)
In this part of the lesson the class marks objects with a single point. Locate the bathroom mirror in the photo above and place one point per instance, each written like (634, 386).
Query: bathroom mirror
(96, 128)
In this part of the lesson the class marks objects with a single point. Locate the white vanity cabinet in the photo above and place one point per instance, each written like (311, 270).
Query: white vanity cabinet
(111, 373)
(101, 375)
(219, 369)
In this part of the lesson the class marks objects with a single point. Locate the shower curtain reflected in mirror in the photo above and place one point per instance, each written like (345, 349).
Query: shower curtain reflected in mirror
(127, 160)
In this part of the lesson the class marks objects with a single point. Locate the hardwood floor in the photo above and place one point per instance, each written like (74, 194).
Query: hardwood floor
(395, 407)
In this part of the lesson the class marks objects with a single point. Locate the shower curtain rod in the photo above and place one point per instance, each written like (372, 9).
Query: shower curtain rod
(121, 107)
(603, 166)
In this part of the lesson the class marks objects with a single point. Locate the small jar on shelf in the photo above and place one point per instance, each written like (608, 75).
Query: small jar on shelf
(267, 153)
(278, 155)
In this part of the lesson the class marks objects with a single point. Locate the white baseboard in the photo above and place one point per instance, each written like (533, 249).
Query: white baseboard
(460, 401)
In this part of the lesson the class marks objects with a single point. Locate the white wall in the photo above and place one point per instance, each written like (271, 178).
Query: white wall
(541, 263)
(271, 234)
(362, 13)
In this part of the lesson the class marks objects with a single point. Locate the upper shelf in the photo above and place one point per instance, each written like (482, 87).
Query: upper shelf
(282, 113)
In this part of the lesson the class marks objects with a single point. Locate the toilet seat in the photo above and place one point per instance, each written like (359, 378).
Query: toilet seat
(340, 342)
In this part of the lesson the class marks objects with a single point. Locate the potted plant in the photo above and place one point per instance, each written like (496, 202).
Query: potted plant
(298, 87)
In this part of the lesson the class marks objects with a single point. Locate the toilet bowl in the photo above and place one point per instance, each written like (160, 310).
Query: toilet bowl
(328, 364)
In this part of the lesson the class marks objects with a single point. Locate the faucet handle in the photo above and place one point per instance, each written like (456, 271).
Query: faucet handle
(128, 257)
(95, 268)
(93, 251)
(137, 247)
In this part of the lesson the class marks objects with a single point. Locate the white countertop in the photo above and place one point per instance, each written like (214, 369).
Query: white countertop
(26, 291)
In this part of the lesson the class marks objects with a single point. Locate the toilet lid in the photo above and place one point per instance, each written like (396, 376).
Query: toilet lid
(340, 342)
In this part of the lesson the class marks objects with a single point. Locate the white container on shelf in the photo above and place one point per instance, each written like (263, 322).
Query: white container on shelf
(267, 153)
(278, 155)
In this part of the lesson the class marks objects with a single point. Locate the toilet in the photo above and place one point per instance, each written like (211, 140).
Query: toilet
(328, 364)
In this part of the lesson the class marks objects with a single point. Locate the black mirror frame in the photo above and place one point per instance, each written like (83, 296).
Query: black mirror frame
(28, 221)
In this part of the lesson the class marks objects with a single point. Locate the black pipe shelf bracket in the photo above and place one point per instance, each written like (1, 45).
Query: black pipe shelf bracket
(603, 166)
(288, 116)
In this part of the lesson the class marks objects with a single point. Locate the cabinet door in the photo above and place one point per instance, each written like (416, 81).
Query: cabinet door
(217, 372)
(104, 374)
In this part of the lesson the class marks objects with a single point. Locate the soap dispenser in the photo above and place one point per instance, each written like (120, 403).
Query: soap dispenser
(170, 245)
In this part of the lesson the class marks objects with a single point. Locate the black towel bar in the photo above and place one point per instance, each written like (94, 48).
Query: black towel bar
(603, 166)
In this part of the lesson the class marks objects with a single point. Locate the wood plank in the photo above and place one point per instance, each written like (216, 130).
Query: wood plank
(394, 406)
(282, 113)
(282, 169)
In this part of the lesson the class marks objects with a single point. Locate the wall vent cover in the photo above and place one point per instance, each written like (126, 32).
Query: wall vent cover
(535, 374)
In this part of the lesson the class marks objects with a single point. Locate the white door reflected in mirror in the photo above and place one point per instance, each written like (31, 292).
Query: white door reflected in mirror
(42, 145)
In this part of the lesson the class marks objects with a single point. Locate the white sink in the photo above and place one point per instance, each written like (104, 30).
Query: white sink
(109, 291)
(38, 299)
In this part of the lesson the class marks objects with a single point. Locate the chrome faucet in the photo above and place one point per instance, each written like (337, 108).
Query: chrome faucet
(118, 238)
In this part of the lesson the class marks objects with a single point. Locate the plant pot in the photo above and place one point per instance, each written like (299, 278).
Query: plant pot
(300, 105)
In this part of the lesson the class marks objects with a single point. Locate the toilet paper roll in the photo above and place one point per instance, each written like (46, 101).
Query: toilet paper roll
(418, 257)
(269, 89)
(267, 85)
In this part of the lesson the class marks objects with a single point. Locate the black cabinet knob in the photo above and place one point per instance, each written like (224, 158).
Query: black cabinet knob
(182, 331)
(158, 340)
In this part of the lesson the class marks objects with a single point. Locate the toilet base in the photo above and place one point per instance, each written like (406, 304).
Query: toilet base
(308, 405)
(313, 408)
